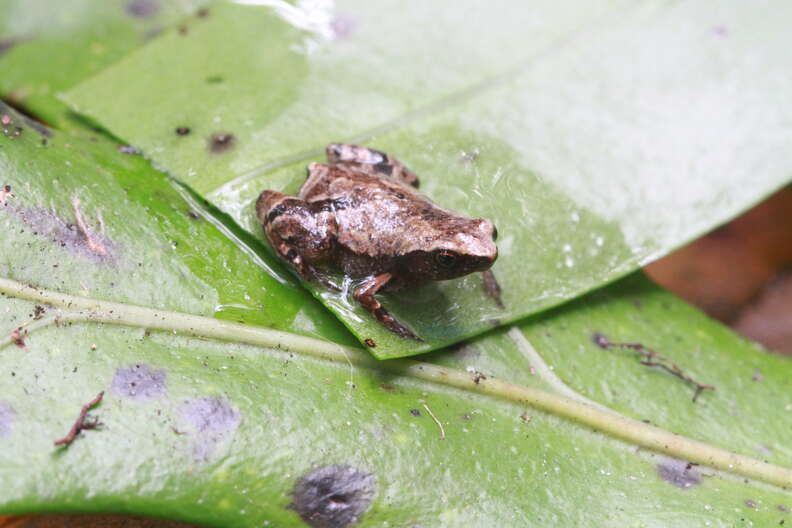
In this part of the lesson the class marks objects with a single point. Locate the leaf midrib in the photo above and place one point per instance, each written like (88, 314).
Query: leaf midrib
(606, 421)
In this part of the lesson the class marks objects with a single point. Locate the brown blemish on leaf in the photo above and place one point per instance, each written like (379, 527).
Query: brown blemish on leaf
(143, 8)
(678, 473)
(333, 496)
(221, 142)
(370, 343)
(182, 131)
(139, 382)
(81, 424)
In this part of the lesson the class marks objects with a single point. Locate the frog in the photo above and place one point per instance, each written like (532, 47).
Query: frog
(362, 213)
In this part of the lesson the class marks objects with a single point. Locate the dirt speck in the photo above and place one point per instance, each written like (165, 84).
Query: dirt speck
(370, 343)
(6, 419)
(212, 420)
(221, 142)
(750, 503)
(139, 382)
(415, 412)
(678, 473)
(183, 130)
(143, 8)
(333, 496)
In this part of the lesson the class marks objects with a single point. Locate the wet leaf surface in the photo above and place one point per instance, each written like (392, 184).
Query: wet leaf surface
(230, 433)
(597, 138)
(47, 47)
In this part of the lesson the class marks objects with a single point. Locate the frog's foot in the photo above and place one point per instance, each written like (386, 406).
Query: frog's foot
(364, 294)
(492, 288)
(383, 164)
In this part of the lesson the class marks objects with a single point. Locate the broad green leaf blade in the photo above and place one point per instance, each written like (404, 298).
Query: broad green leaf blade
(237, 425)
(47, 47)
(88, 219)
(597, 138)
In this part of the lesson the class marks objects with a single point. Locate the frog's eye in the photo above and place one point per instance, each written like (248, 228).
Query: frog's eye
(445, 258)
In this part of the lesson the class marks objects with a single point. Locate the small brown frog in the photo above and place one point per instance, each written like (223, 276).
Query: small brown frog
(363, 214)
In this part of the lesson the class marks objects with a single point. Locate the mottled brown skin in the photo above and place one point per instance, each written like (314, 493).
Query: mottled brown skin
(363, 215)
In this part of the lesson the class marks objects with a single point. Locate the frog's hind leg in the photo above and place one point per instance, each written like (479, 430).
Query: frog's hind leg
(382, 163)
(364, 294)
(295, 234)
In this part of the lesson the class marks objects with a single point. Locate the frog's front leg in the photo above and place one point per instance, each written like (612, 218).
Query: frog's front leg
(364, 294)
(382, 163)
(300, 236)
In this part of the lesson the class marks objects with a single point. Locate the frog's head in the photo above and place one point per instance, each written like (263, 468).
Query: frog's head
(466, 248)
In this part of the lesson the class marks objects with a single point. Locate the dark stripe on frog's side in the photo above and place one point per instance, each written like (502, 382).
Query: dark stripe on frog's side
(276, 212)
(384, 168)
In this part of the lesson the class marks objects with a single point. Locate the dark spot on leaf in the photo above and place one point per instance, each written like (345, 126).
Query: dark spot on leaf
(221, 142)
(370, 343)
(202, 13)
(128, 149)
(213, 419)
(193, 215)
(214, 79)
(678, 473)
(415, 412)
(139, 382)
(600, 340)
(183, 30)
(182, 131)
(333, 496)
(7, 44)
(143, 8)
(6, 417)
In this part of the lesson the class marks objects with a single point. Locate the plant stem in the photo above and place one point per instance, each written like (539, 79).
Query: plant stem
(604, 421)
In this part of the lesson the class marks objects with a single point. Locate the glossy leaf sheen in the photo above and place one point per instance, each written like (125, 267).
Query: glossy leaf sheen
(222, 433)
(47, 47)
(597, 138)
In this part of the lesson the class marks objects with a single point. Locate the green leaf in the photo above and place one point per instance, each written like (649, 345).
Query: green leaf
(597, 138)
(47, 47)
(228, 424)
(89, 219)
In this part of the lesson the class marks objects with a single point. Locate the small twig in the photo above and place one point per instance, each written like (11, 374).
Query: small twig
(442, 431)
(81, 424)
(650, 358)
(94, 245)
